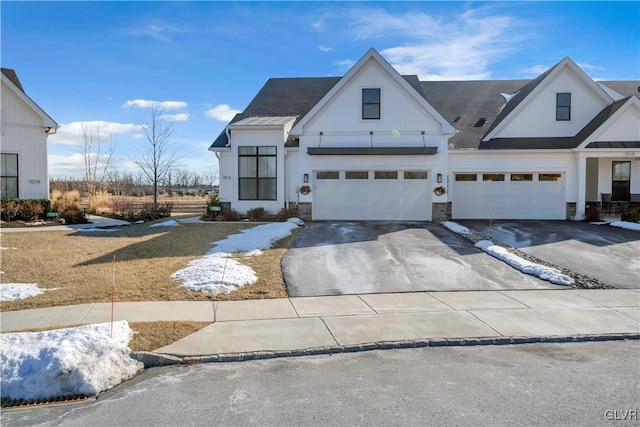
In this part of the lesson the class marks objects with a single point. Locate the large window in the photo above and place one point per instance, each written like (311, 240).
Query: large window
(563, 106)
(9, 170)
(257, 173)
(621, 182)
(371, 104)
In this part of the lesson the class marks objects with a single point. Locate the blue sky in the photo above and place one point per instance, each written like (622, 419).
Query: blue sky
(103, 61)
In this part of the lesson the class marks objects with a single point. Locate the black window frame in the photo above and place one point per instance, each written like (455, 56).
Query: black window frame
(257, 155)
(620, 188)
(366, 102)
(4, 176)
(563, 108)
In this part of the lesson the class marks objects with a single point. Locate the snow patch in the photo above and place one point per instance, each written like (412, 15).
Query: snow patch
(543, 272)
(65, 362)
(94, 229)
(216, 272)
(18, 291)
(170, 223)
(456, 228)
(626, 224)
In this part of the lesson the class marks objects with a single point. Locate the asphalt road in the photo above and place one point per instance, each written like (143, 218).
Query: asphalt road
(380, 257)
(533, 384)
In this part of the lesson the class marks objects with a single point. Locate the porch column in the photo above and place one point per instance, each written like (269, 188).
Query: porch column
(582, 186)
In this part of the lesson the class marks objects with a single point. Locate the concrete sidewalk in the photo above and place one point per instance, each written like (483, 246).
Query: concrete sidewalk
(294, 324)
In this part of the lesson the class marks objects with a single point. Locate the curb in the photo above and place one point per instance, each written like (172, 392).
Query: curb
(152, 360)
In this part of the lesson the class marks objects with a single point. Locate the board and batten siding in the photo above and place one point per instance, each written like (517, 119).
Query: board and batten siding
(625, 128)
(23, 134)
(537, 118)
(226, 176)
(293, 177)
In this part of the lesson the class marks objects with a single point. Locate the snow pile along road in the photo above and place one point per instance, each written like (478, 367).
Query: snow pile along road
(217, 273)
(626, 224)
(66, 362)
(170, 223)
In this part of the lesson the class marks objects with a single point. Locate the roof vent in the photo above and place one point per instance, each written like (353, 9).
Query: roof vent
(481, 121)
(457, 119)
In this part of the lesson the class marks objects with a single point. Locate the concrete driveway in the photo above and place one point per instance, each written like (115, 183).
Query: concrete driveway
(380, 257)
(607, 253)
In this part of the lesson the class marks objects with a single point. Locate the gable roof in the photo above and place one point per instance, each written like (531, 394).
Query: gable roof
(412, 90)
(607, 113)
(14, 84)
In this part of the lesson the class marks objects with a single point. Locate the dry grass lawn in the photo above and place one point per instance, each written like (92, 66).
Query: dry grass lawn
(77, 266)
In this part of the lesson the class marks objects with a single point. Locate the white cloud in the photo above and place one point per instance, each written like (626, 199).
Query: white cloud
(536, 70)
(345, 64)
(65, 166)
(589, 67)
(325, 48)
(73, 133)
(455, 47)
(180, 117)
(162, 105)
(222, 112)
(157, 32)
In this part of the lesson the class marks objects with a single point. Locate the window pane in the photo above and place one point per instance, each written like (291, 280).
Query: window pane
(371, 96)
(550, 177)
(267, 167)
(386, 175)
(371, 111)
(357, 175)
(248, 168)
(248, 189)
(247, 151)
(563, 113)
(521, 177)
(621, 171)
(9, 188)
(267, 151)
(466, 177)
(9, 165)
(493, 177)
(327, 175)
(563, 99)
(415, 174)
(267, 189)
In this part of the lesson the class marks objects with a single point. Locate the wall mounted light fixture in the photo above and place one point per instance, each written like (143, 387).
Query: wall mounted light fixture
(305, 178)
(439, 178)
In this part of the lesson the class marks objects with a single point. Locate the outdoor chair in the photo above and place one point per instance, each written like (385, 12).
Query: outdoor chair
(606, 202)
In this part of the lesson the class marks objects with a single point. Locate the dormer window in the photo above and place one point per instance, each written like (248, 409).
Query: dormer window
(371, 104)
(563, 106)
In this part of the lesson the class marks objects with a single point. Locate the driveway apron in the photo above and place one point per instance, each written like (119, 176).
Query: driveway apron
(379, 257)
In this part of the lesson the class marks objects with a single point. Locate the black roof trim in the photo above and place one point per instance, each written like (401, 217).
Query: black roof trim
(614, 144)
(370, 151)
(545, 143)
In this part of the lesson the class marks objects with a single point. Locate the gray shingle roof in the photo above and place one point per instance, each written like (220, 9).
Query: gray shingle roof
(11, 75)
(461, 103)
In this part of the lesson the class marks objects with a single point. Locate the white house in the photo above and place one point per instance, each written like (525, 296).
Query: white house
(24, 130)
(376, 145)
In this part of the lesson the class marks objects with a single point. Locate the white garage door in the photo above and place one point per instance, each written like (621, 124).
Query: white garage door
(508, 196)
(372, 195)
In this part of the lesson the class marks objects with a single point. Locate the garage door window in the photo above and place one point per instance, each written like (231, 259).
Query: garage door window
(493, 177)
(257, 173)
(466, 177)
(556, 177)
(356, 175)
(521, 177)
(328, 175)
(386, 175)
(415, 174)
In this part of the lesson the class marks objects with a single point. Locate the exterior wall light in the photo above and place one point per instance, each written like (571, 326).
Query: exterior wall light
(305, 178)
(439, 178)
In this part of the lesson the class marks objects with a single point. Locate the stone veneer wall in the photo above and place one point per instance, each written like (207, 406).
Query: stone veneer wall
(304, 210)
(225, 205)
(441, 212)
(571, 210)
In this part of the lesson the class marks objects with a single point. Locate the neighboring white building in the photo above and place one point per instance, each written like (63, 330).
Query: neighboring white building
(375, 145)
(24, 130)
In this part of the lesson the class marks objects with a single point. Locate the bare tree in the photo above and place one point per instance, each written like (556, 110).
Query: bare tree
(96, 159)
(156, 156)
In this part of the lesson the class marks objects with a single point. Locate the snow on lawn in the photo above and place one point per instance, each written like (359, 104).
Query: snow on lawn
(97, 230)
(16, 291)
(540, 271)
(626, 224)
(170, 223)
(216, 272)
(65, 362)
